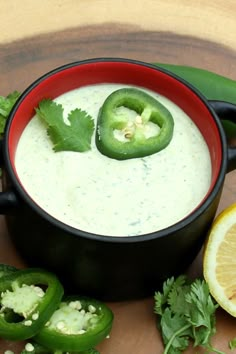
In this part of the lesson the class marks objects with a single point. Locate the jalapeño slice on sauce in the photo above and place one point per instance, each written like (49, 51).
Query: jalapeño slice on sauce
(78, 324)
(28, 298)
(131, 124)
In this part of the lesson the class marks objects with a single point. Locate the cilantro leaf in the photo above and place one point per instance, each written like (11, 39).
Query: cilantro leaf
(232, 344)
(177, 296)
(201, 314)
(175, 332)
(162, 299)
(186, 312)
(75, 136)
(6, 104)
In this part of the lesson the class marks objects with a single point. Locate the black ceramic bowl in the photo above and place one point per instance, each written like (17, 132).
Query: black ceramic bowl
(107, 267)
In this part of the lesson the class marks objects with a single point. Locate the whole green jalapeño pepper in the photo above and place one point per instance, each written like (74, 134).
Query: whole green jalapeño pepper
(28, 298)
(131, 123)
(78, 324)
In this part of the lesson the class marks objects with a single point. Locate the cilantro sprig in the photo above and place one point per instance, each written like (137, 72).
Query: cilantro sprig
(232, 344)
(75, 136)
(6, 104)
(186, 312)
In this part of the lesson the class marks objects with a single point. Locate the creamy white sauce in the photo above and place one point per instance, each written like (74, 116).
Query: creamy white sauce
(94, 193)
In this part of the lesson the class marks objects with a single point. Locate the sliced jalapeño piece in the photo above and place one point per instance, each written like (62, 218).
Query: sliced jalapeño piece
(131, 123)
(28, 298)
(35, 348)
(78, 324)
(6, 269)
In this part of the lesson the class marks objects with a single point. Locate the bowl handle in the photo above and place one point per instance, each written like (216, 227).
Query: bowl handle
(227, 113)
(8, 199)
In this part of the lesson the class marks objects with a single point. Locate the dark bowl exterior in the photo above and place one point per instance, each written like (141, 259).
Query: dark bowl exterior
(112, 270)
(109, 268)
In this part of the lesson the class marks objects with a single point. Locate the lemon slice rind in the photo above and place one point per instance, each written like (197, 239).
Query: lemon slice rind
(219, 261)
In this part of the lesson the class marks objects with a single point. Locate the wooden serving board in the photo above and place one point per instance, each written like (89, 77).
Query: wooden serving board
(39, 36)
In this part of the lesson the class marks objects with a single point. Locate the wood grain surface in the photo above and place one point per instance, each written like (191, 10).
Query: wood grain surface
(37, 37)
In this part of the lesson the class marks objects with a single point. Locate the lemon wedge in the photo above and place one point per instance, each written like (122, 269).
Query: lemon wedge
(219, 260)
